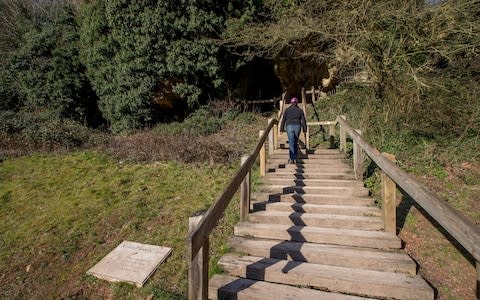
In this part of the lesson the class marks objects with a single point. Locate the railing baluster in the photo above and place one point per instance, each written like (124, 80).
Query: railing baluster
(478, 278)
(389, 199)
(245, 194)
(270, 139)
(331, 134)
(343, 135)
(357, 158)
(198, 266)
(262, 156)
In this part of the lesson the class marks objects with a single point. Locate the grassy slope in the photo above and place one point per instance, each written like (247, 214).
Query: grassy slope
(61, 214)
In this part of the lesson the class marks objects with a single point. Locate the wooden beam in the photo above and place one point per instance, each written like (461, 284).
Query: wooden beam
(245, 193)
(478, 278)
(270, 140)
(322, 123)
(343, 136)
(459, 227)
(262, 157)
(198, 267)
(357, 158)
(307, 138)
(331, 135)
(275, 136)
(389, 200)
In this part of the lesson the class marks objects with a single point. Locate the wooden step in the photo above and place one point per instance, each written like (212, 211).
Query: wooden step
(312, 182)
(308, 157)
(310, 175)
(317, 220)
(346, 210)
(313, 168)
(320, 199)
(352, 257)
(308, 162)
(332, 278)
(309, 151)
(344, 191)
(343, 237)
(230, 287)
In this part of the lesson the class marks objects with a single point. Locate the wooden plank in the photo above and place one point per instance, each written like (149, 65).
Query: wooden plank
(317, 220)
(322, 190)
(198, 267)
(313, 182)
(338, 279)
(322, 123)
(271, 147)
(331, 135)
(342, 256)
(230, 287)
(389, 199)
(262, 156)
(314, 199)
(343, 135)
(245, 193)
(478, 278)
(357, 158)
(353, 210)
(345, 237)
(459, 227)
(275, 136)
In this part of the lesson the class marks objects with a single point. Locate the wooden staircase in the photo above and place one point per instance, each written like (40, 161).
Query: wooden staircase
(315, 234)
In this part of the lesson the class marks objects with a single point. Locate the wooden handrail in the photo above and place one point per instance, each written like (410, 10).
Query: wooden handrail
(198, 237)
(460, 228)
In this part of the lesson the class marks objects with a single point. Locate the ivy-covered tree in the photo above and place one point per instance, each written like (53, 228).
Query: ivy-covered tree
(138, 51)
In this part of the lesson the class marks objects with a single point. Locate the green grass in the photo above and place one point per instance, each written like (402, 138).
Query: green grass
(60, 214)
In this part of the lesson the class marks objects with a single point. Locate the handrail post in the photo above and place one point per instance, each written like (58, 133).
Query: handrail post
(357, 158)
(307, 138)
(270, 139)
(343, 136)
(275, 136)
(262, 156)
(198, 266)
(245, 193)
(389, 197)
(478, 278)
(331, 134)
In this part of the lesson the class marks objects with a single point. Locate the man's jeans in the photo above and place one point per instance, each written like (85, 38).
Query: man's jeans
(293, 132)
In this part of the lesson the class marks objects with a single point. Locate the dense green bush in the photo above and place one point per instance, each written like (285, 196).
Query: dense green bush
(47, 69)
(137, 51)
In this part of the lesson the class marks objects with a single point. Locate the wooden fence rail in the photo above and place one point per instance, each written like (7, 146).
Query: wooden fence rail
(198, 238)
(465, 232)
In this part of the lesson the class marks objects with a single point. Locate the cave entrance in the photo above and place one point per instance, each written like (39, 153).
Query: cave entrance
(257, 81)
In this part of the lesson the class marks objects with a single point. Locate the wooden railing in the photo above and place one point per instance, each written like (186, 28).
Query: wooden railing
(198, 238)
(465, 232)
